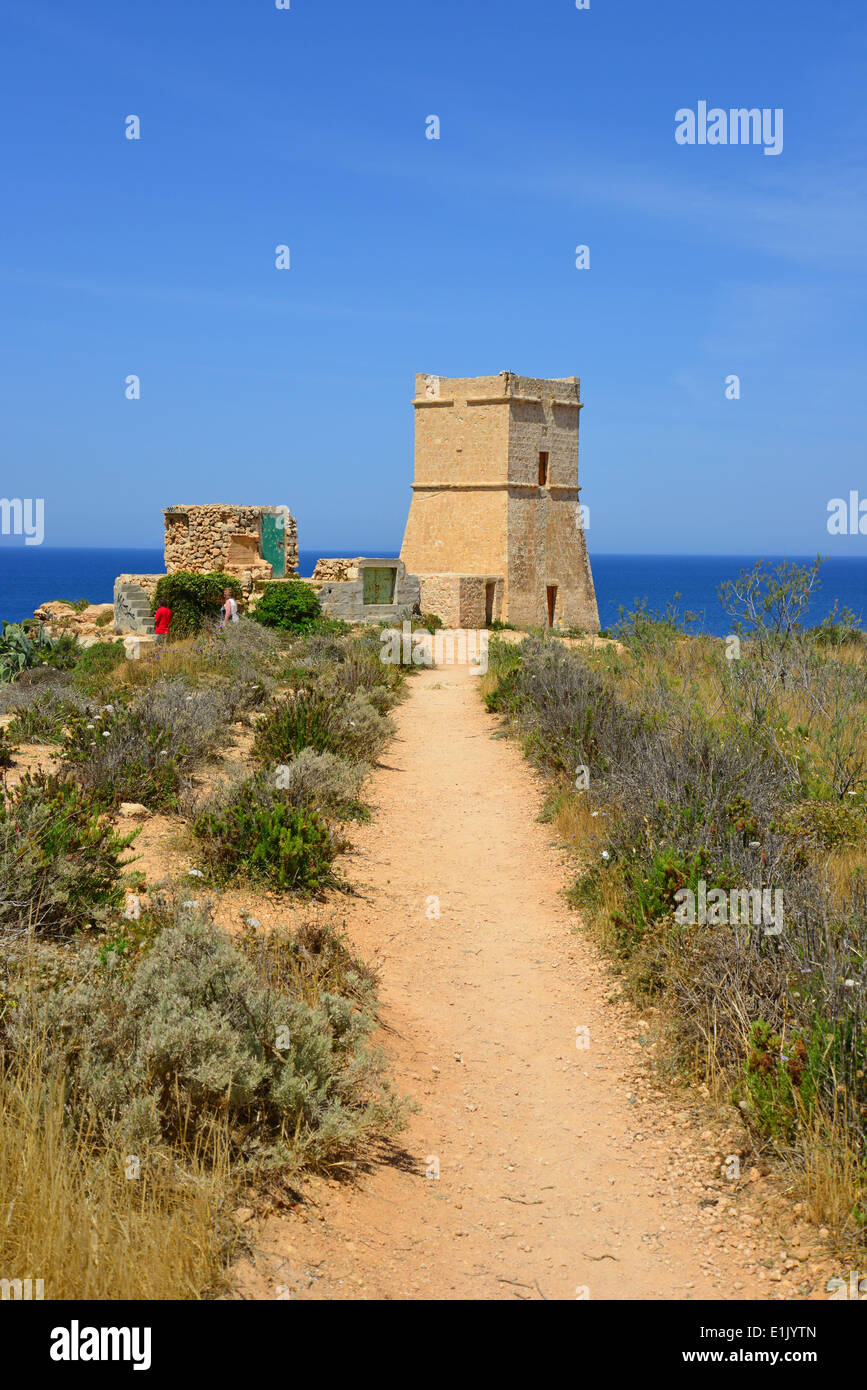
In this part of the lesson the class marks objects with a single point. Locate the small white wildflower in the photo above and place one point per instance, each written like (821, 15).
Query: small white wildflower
(755, 844)
(195, 873)
(594, 813)
(90, 726)
(108, 709)
(605, 854)
(106, 734)
(849, 984)
(253, 922)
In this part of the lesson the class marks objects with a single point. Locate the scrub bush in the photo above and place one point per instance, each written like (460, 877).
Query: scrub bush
(291, 605)
(194, 599)
(61, 864)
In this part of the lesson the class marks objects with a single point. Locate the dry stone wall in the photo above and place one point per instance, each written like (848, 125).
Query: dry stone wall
(215, 536)
(334, 571)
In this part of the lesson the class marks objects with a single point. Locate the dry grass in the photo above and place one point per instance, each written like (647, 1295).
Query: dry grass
(825, 1175)
(70, 1216)
(843, 866)
(578, 827)
(190, 658)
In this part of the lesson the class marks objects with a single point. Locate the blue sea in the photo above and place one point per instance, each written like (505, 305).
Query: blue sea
(31, 575)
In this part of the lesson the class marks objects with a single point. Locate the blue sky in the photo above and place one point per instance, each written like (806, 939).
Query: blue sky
(452, 256)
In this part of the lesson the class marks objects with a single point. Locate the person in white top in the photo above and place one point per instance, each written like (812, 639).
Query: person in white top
(229, 610)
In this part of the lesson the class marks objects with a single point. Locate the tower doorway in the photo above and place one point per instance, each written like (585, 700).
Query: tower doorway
(490, 590)
(551, 595)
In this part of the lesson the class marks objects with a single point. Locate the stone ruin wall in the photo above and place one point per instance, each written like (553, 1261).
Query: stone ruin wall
(215, 536)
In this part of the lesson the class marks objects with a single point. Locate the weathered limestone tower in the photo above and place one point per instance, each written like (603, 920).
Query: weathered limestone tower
(495, 528)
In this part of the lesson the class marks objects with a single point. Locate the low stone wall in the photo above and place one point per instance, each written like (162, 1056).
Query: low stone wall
(148, 582)
(345, 598)
(330, 570)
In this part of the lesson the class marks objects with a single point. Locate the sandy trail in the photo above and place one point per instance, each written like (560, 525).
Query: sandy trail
(561, 1169)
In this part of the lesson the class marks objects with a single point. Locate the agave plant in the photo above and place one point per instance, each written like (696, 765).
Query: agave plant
(20, 649)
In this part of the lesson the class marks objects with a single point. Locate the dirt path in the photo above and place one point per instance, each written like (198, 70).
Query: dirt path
(561, 1168)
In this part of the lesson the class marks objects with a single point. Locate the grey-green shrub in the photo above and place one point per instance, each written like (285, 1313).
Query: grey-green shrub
(329, 784)
(42, 713)
(143, 751)
(193, 1031)
(363, 731)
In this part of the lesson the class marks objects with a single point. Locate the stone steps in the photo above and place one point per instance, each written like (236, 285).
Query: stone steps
(132, 610)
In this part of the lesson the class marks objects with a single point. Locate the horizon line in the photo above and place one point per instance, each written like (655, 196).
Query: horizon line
(390, 552)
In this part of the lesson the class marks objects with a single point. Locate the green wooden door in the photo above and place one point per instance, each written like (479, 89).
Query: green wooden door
(274, 543)
(379, 584)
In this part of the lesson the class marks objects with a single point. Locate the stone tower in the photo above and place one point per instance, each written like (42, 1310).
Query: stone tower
(495, 528)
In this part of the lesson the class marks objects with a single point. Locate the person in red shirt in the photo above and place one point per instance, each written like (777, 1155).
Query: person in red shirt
(162, 621)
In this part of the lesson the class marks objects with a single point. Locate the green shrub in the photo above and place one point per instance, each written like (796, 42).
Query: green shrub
(194, 599)
(322, 719)
(96, 663)
(254, 832)
(60, 863)
(199, 1033)
(781, 1079)
(304, 719)
(420, 622)
(290, 604)
(65, 652)
(6, 749)
(827, 823)
(652, 884)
